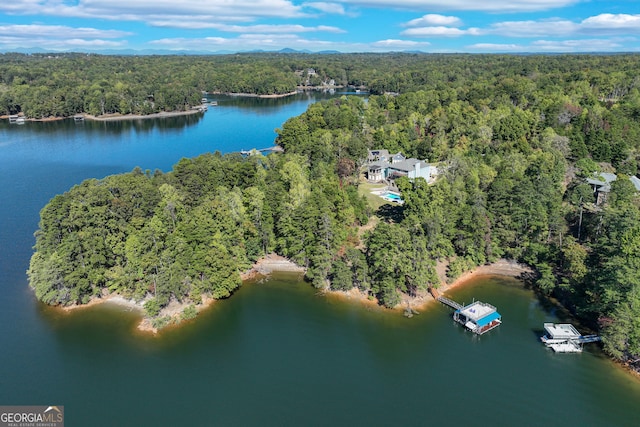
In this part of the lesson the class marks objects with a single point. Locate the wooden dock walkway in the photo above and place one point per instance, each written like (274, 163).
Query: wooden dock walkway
(446, 301)
(451, 303)
(589, 338)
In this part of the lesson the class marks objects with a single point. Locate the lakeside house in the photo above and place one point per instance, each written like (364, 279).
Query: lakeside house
(601, 184)
(383, 166)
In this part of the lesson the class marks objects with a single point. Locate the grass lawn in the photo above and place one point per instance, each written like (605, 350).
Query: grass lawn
(365, 188)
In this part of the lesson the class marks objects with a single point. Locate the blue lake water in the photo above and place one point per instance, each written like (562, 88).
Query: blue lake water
(275, 353)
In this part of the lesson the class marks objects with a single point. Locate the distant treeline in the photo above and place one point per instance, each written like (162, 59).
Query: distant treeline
(516, 137)
(62, 85)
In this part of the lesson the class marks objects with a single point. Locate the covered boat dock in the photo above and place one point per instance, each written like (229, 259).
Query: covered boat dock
(478, 317)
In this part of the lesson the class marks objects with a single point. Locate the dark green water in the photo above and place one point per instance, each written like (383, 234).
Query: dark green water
(274, 354)
(277, 353)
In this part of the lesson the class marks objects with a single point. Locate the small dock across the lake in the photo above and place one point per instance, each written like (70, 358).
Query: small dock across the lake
(274, 149)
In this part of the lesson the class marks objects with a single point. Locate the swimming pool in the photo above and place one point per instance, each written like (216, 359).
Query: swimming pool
(392, 197)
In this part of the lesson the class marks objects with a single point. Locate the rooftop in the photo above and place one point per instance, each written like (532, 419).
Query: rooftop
(603, 180)
(408, 165)
(477, 310)
(561, 330)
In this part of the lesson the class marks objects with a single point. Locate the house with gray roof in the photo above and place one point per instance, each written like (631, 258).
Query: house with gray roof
(378, 156)
(385, 167)
(601, 184)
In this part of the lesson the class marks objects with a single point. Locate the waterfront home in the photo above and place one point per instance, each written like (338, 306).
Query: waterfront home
(385, 167)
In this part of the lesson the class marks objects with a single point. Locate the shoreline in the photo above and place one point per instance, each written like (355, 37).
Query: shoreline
(116, 116)
(255, 95)
(262, 268)
(271, 263)
(500, 268)
(120, 117)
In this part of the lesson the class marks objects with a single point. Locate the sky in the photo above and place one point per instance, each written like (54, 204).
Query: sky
(471, 26)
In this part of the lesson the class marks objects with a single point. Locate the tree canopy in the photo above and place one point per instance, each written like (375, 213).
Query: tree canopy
(515, 137)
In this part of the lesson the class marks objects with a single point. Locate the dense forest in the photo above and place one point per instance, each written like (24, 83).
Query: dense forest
(62, 85)
(516, 137)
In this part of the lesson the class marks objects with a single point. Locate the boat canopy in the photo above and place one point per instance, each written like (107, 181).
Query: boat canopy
(488, 319)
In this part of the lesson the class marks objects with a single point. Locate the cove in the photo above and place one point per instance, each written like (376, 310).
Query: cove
(275, 353)
(279, 353)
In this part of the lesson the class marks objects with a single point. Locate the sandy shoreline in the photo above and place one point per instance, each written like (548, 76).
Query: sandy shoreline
(107, 299)
(275, 263)
(117, 117)
(160, 115)
(501, 267)
(262, 268)
(269, 264)
(254, 95)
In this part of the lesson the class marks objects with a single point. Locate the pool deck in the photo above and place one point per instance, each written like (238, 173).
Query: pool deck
(385, 195)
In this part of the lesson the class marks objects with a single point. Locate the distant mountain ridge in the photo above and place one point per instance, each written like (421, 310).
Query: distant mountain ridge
(133, 52)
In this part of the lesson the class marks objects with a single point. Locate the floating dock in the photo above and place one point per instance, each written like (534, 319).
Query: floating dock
(565, 338)
(478, 317)
(254, 151)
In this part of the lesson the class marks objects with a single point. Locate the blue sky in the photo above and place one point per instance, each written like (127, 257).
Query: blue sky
(473, 26)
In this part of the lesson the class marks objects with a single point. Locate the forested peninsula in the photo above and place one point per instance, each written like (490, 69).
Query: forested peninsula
(538, 162)
(50, 86)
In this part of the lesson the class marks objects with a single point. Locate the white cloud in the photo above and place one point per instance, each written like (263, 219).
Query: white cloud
(497, 47)
(574, 45)
(10, 43)
(485, 5)
(607, 23)
(187, 43)
(434, 20)
(604, 24)
(246, 42)
(333, 8)
(143, 10)
(275, 24)
(592, 45)
(440, 32)
(264, 28)
(251, 10)
(609, 20)
(399, 44)
(543, 28)
(59, 37)
(58, 31)
(240, 43)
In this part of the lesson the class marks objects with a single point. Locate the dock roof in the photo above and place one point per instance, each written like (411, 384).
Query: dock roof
(561, 330)
(478, 311)
(488, 319)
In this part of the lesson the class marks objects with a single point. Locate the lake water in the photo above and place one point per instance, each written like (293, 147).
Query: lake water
(275, 353)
